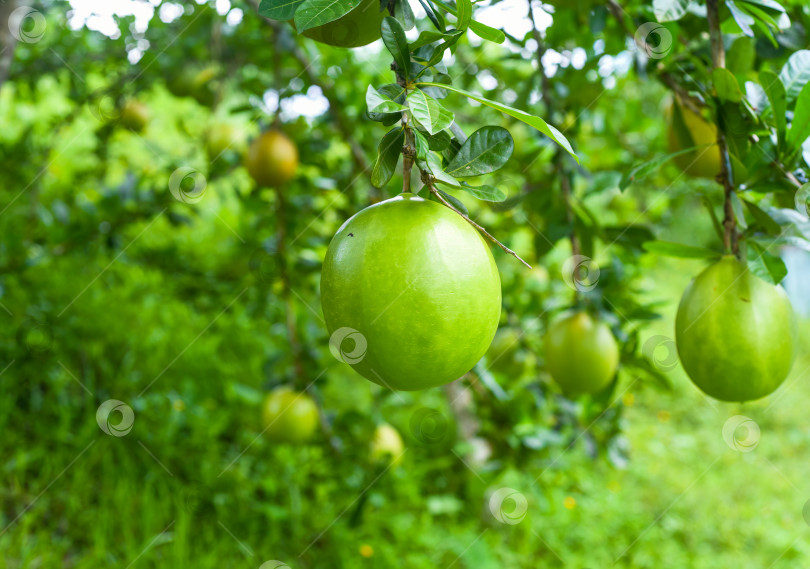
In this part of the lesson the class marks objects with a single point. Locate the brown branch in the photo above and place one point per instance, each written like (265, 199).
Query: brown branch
(726, 176)
(408, 152)
(693, 103)
(440, 197)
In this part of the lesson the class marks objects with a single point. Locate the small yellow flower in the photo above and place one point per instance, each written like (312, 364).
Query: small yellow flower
(569, 503)
(628, 399)
(366, 550)
(663, 416)
(179, 405)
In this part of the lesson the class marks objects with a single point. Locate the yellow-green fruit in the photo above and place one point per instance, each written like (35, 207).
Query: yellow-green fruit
(501, 355)
(736, 334)
(581, 354)
(289, 416)
(410, 293)
(272, 159)
(134, 115)
(688, 129)
(359, 27)
(386, 445)
(221, 138)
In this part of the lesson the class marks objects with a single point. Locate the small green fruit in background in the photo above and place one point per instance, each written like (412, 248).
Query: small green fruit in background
(736, 334)
(272, 159)
(134, 115)
(581, 354)
(359, 27)
(501, 355)
(386, 445)
(289, 416)
(410, 293)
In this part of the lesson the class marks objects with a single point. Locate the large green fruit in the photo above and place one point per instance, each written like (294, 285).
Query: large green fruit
(688, 129)
(359, 27)
(272, 159)
(289, 417)
(410, 293)
(736, 334)
(581, 354)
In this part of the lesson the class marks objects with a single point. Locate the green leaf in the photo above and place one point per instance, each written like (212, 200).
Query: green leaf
(743, 19)
(486, 150)
(766, 266)
(403, 13)
(800, 127)
(762, 219)
(439, 141)
(379, 103)
(427, 37)
(796, 73)
(455, 202)
(775, 91)
(523, 116)
(422, 145)
(741, 56)
(669, 249)
(313, 13)
(279, 9)
(726, 85)
(434, 165)
(429, 112)
(669, 10)
(485, 192)
(481, 30)
(464, 14)
(646, 168)
(396, 43)
(387, 157)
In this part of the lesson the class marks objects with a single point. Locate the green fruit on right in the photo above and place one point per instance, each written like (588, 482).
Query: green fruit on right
(289, 417)
(581, 354)
(272, 159)
(736, 334)
(134, 115)
(359, 27)
(688, 129)
(386, 445)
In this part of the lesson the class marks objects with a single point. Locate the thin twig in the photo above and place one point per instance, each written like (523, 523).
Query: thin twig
(439, 197)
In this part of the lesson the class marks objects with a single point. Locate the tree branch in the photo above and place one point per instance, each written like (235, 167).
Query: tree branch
(726, 176)
(440, 197)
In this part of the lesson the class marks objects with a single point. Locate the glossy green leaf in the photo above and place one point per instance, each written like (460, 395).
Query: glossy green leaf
(379, 103)
(762, 219)
(279, 9)
(481, 30)
(796, 73)
(800, 127)
(429, 112)
(669, 10)
(313, 13)
(486, 150)
(396, 43)
(726, 85)
(669, 249)
(523, 116)
(763, 264)
(388, 153)
(777, 97)
(463, 14)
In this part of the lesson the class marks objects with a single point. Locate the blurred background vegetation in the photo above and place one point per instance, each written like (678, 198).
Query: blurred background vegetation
(111, 287)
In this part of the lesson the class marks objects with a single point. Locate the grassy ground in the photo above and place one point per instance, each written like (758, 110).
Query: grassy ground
(167, 495)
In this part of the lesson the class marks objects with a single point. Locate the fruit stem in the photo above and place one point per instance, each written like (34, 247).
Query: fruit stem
(439, 197)
(726, 177)
(407, 156)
